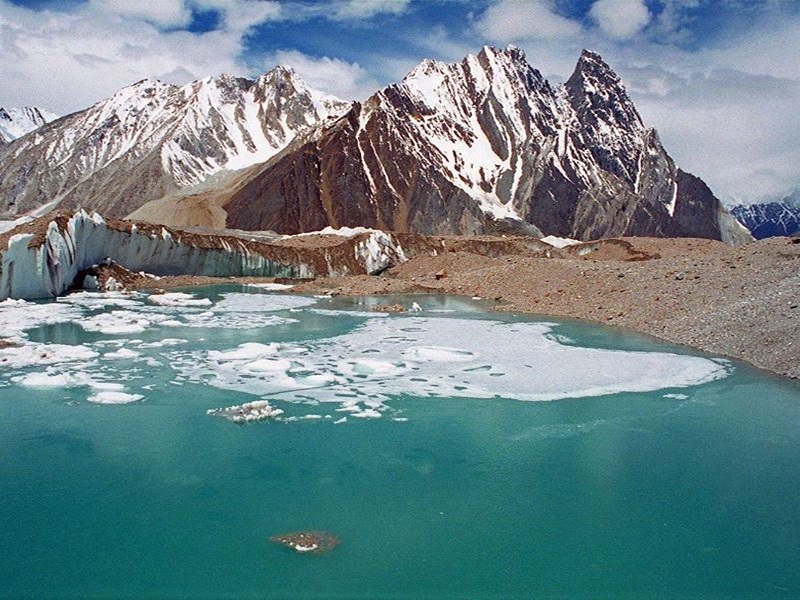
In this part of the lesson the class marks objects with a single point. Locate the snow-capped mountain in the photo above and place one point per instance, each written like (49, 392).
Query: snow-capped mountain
(770, 219)
(16, 122)
(486, 145)
(482, 146)
(152, 138)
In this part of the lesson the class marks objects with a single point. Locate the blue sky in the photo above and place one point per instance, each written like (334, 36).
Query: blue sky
(719, 79)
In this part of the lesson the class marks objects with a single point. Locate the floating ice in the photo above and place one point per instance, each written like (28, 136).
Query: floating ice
(119, 322)
(254, 303)
(178, 299)
(17, 316)
(163, 343)
(247, 311)
(437, 354)
(101, 299)
(31, 355)
(271, 287)
(248, 351)
(469, 358)
(114, 398)
(122, 354)
(59, 380)
(249, 411)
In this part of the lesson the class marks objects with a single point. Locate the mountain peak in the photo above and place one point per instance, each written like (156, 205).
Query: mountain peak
(16, 122)
(597, 93)
(511, 52)
(592, 72)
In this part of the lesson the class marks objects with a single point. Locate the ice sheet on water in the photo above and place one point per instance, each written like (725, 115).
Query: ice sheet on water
(33, 355)
(178, 299)
(272, 287)
(98, 300)
(255, 303)
(17, 316)
(122, 354)
(431, 357)
(121, 322)
(114, 398)
(239, 310)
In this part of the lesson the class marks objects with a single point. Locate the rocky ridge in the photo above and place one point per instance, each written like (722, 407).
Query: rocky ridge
(770, 219)
(152, 138)
(16, 122)
(486, 146)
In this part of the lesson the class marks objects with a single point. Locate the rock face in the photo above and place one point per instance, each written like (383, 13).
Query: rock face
(152, 138)
(770, 219)
(16, 122)
(486, 146)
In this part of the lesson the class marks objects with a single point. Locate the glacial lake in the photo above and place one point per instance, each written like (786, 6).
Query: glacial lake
(455, 453)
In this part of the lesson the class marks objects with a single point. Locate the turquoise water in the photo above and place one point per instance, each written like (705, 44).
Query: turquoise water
(689, 490)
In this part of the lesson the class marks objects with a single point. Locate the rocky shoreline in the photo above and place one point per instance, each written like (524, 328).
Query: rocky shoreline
(743, 303)
(740, 302)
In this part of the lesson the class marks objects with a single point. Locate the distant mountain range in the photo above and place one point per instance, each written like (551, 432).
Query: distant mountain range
(481, 146)
(16, 122)
(770, 219)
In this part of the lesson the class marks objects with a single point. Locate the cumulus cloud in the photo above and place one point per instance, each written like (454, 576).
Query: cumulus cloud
(519, 20)
(238, 16)
(165, 13)
(736, 130)
(365, 9)
(620, 19)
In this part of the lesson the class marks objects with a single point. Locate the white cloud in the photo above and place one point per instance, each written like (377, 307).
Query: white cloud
(240, 15)
(67, 61)
(739, 132)
(519, 20)
(365, 9)
(165, 13)
(346, 80)
(620, 19)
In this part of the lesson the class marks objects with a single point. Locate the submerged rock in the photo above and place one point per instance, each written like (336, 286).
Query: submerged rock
(389, 308)
(307, 542)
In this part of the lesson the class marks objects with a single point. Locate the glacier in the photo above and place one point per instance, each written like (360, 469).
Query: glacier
(35, 265)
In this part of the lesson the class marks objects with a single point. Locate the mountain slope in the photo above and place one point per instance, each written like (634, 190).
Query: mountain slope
(770, 219)
(482, 146)
(16, 122)
(152, 138)
(486, 145)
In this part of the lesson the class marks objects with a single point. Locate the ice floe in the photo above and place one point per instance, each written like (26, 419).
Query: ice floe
(33, 355)
(178, 299)
(471, 358)
(98, 300)
(121, 322)
(272, 287)
(255, 303)
(258, 410)
(107, 397)
(17, 316)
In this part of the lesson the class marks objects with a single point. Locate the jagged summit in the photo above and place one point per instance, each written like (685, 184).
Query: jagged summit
(151, 138)
(484, 145)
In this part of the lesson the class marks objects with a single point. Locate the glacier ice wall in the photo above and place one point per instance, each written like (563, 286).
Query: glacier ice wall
(36, 268)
